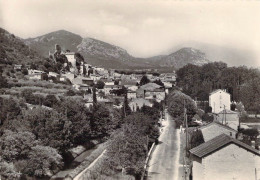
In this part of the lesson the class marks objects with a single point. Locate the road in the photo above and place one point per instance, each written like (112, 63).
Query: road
(164, 163)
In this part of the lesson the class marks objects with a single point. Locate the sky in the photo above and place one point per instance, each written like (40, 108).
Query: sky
(143, 27)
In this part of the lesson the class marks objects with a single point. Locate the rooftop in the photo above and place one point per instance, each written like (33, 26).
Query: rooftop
(217, 143)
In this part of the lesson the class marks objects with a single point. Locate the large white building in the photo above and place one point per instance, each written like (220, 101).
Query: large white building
(224, 158)
(219, 100)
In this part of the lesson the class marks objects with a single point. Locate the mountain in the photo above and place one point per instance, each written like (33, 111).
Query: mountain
(100, 53)
(229, 54)
(44, 44)
(14, 50)
(103, 54)
(179, 58)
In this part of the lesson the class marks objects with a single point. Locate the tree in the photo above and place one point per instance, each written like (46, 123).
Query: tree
(250, 95)
(51, 127)
(252, 133)
(127, 150)
(9, 109)
(50, 100)
(100, 84)
(94, 96)
(126, 110)
(80, 117)
(8, 170)
(196, 138)
(70, 92)
(176, 101)
(159, 82)
(144, 80)
(16, 145)
(101, 125)
(3, 82)
(43, 161)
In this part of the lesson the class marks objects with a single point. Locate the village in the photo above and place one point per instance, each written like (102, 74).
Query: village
(129, 90)
(225, 147)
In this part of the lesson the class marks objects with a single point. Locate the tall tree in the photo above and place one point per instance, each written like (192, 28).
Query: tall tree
(144, 80)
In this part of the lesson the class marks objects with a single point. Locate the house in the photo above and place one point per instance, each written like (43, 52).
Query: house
(69, 76)
(131, 87)
(225, 158)
(71, 58)
(53, 74)
(34, 71)
(134, 104)
(17, 67)
(131, 94)
(83, 80)
(147, 87)
(229, 118)
(219, 100)
(214, 129)
(156, 94)
(36, 76)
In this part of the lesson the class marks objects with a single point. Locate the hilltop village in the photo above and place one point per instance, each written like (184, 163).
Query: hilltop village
(141, 88)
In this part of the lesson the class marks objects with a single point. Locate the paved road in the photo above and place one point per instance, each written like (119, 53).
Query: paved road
(164, 162)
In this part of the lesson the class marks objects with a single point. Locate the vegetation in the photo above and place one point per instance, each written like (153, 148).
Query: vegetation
(144, 80)
(199, 81)
(177, 101)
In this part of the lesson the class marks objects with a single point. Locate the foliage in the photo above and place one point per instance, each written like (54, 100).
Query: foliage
(199, 81)
(50, 100)
(8, 171)
(196, 138)
(16, 145)
(94, 96)
(127, 150)
(3, 82)
(144, 80)
(80, 118)
(176, 100)
(250, 95)
(70, 92)
(9, 109)
(126, 110)
(207, 118)
(159, 82)
(43, 161)
(100, 84)
(252, 133)
(119, 92)
(51, 127)
(101, 120)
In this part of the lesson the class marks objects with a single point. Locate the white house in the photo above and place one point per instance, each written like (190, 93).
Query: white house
(71, 58)
(219, 100)
(131, 94)
(224, 158)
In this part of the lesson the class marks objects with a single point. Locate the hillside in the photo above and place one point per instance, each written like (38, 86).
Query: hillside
(179, 58)
(44, 44)
(106, 55)
(13, 50)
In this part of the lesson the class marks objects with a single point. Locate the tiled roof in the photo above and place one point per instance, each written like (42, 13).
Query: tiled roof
(217, 143)
(217, 123)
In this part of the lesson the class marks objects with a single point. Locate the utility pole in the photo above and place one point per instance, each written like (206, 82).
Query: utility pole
(225, 115)
(186, 126)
